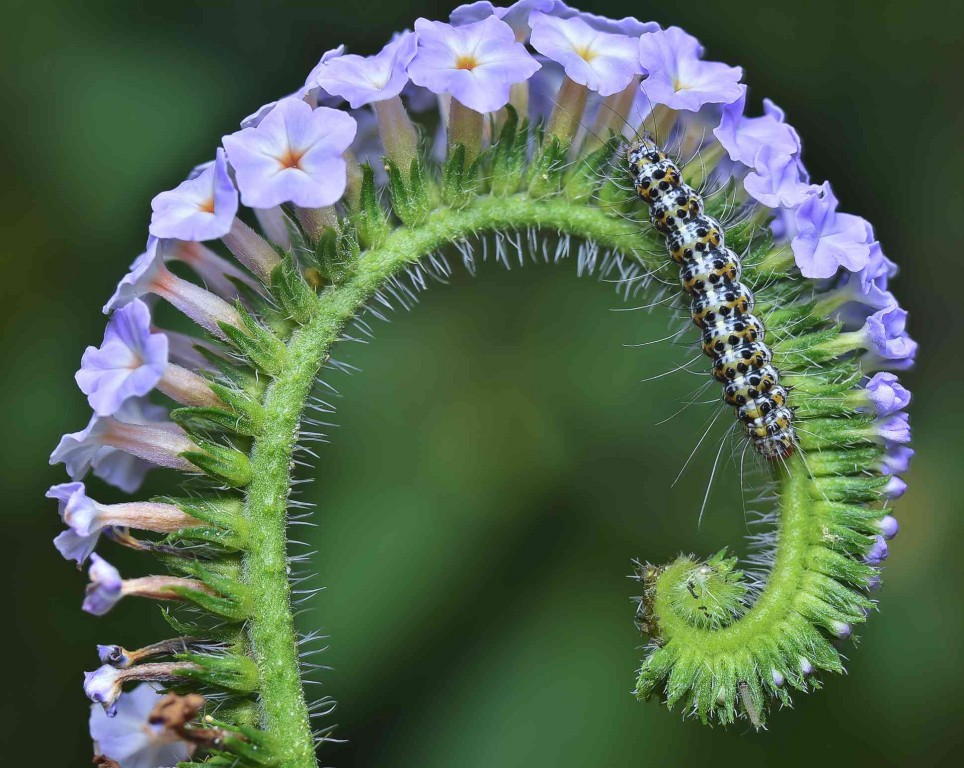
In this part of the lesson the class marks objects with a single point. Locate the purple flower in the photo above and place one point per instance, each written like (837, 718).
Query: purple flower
(515, 15)
(894, 429)
(743, 137)
(544, 87)
(160, 442)
(79, 512)
(629, 25)
(106, 586)
(128, 737)
(841, 630)
(888, 526)
(877, 552)
(827, 240)
(886, 335)
(477, 63)
(129, 362)
(115, 655)
(364, 79)
(777, 180)
(139, 279)
(678, 78)
(201, 208)
(894, 489)
(293, 155)
(887, 394)
(603, 62)
(896, 459)
(103, 686)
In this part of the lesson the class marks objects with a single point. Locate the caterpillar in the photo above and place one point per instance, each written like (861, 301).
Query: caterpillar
(733, 338)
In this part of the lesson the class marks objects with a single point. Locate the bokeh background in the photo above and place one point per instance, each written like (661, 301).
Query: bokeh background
(497, 463)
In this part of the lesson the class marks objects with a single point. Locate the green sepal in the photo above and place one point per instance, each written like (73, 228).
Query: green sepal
(849, 489)
(370, 220)
(581, 183)
(546, 172)
(509, 156)
(460, 180)
(223, 463)
(835, 433)
(289, 288)
(256, 343)
(225, 524)
(231, 599)
(840, 566)
(410, 199)
(852, 462)
(244, 416)
(231, 672)
(796, 351)
(212, 628)
(336, 254)
(251, 746)
(242, 377)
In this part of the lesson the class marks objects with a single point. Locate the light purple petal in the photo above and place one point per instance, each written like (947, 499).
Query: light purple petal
(778, 180)
(744, 137)
(364, 79)
(894, 429)
(515, 15)
(888, 340)
(477, 64)
(79, 512)
(826, 240)
(201, 208)
(129, 363)
(603, 62)
(887, 394)
(895, 488)
(678, 77)
(294, 155)
(896, 459)
(78, 450)
(137, 281)
(105, 588)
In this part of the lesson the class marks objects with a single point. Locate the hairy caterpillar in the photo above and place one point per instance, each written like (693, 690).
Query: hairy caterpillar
(721, 305)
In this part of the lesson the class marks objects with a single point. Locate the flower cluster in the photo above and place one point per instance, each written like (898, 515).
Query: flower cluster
(289, 201)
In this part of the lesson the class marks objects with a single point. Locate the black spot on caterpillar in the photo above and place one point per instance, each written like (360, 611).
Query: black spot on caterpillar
(721, 305)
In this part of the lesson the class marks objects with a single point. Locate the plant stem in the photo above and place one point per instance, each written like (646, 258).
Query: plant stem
(271, 631)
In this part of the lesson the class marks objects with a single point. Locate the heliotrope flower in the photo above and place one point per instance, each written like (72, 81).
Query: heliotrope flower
(377, 80)
(744, 137)
(96, 447)
(678, 78)
(130, 739)
(200, 208)
(603, 62)
(129, 362)
(87, 519)
(132, 361)
(361, 80)
(777, 179)
(826, 239)
(107, 588)
(148, 275)
(295, 154)
(887, 394)
(476, 63)
(885, 335)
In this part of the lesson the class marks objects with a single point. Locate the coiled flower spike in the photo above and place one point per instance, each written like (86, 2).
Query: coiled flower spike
(338, 201)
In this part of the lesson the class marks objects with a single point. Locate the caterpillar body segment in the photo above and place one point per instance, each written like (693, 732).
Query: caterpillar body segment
(721, 306)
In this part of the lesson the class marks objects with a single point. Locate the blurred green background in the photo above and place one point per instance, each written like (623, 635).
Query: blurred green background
(497, 463)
